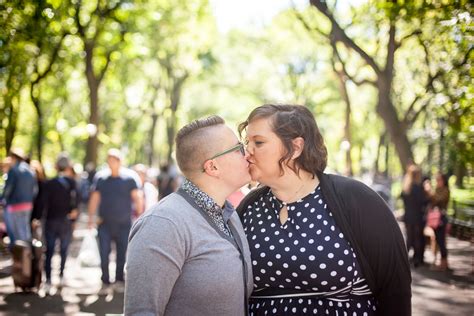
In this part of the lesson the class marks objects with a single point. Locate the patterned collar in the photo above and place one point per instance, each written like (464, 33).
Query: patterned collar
(218, 215)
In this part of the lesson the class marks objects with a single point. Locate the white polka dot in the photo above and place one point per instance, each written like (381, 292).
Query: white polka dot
(305, 220)
(293, 309)
(333, 228)
(358, 305)
(306, 205)
(333, 273)
(322, 266)
(304, 235)
(336, 245)
(342, 279)
(298, 214)
(272, 279)
(257, 278)
(302, 249)
(330, 255)
(325, 222)
(318, 232)
(269, 263)
(290, 234)
(267, 238)
(333, 288)
(341, 235)
(313, 276)
(324, 283)
(311, 225)
(302, 267)
(254, 263)
(346, 252)
(272, 247)
(349, 268)
(320, 201)
(340, 262)
(304, 282)
(311, 258)
(311, 241)
(287, 249)
(262, 255)
(295, 274)
(312, 210)
(320, 248)
(262, 230)
(263, 271)
(285, 265)
(319, 216)
(277, 233)
(278, 256)
(281, 241)
(296, 242)
(278, 272)
(288, 280)
(293, 258)
(257, 246)
(327, 238)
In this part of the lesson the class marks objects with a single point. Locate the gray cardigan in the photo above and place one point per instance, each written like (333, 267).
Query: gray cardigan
(178, 263)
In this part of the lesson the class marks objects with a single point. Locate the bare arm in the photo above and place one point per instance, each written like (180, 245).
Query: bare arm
(137, 198)
(94, 201)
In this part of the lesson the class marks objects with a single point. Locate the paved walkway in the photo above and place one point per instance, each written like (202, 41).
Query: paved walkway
(434, 293)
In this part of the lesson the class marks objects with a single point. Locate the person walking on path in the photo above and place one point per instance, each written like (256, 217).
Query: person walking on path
(414, 200)
(19, 193)
(188, 254)
(61, 201)
(113, 193)
(439, 199)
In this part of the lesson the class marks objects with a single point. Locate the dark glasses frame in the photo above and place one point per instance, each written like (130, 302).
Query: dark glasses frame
(239, 146)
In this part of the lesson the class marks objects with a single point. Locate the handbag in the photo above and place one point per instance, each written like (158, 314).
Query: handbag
(433, 218)
(89, 255)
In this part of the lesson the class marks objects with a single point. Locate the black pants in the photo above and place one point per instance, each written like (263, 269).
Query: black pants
(415, 240)
(440, 234)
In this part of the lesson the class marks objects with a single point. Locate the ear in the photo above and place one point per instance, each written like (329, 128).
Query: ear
(211, 168)
(298, 146)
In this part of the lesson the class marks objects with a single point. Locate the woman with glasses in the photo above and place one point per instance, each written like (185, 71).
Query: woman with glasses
(320, 244)
(188, 254)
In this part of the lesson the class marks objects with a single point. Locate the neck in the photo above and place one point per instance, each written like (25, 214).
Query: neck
(114, 172)
(216, 190)
(291, 188)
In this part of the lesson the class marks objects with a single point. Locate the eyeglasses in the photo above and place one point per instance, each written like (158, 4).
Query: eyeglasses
(239, 147)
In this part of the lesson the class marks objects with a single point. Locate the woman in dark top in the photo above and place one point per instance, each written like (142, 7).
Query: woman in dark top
(414, 200)
(320, 244)
(440, 199)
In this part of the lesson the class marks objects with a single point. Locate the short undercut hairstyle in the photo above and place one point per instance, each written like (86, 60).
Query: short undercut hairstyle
(193, 144)
(289, 122)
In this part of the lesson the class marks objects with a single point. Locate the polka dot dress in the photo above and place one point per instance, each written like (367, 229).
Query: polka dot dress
(305, 266)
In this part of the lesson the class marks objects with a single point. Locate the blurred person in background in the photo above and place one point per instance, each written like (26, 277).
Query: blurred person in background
(114, 192)
(5, 228)
(148, 190)
(61, 202)
(167, 181)
(19, 193)
(439, 198)
(39, 202)
(414, 201)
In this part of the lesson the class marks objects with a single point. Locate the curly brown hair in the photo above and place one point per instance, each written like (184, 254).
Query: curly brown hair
(289, 122)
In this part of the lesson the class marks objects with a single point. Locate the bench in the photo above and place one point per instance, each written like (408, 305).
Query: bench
(462, 221)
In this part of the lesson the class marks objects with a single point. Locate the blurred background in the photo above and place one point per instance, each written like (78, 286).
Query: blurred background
(389, 82)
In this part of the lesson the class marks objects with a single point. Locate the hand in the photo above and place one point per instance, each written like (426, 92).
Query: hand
(73, 214)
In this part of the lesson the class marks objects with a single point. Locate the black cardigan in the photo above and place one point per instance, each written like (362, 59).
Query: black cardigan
(369, 225)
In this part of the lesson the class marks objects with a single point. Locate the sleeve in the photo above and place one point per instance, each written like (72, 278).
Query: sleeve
(155, 257)
(9, 185)
(379, 237)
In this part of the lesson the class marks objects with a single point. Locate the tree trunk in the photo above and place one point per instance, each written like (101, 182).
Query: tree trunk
(93, 83)
(395, 128)
(151, 145)
(39, 113)
(12, 121)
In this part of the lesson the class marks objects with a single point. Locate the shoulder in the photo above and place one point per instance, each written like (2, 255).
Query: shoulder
(250, 198)
(344, 186)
